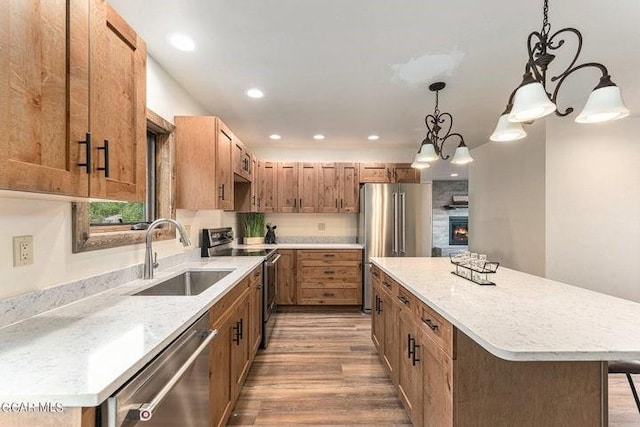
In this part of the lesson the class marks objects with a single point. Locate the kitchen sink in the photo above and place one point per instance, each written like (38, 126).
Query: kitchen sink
(189, 283)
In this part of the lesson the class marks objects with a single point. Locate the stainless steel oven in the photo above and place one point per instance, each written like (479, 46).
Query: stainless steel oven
(172, 390)
(217, 242)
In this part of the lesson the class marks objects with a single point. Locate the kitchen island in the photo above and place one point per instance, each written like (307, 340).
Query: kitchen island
(528, 351)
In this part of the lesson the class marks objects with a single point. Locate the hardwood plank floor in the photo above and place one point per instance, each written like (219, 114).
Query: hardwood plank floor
(321, 368)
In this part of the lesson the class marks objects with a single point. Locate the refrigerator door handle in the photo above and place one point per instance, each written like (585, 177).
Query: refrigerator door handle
(394, 249)
(403, 226)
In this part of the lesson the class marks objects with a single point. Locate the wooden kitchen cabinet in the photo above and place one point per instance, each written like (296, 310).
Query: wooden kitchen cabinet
(329, 277)
(403, 172)
(388, 172)
(203, 163)
(307, 187)
(437, 368)
(255, 183)
(378, 312)
(255, 311)
(286, 273)
(410, 366)
(240, 351)
(55, 75)
(287, 185)
(328, 189)
(267, 189)
(348, 187)
(241, 161)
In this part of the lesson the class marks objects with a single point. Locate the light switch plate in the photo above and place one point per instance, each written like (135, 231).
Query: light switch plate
(321, 226)
(22, 250)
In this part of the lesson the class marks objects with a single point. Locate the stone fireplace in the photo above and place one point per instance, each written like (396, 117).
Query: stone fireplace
(458, 230)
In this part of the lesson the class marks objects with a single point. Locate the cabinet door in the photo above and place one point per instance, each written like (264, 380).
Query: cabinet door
(349, 187)
(39, 147)
(224, 173)
(374, 172)
(117, 107)
(240, 360)
(220, 392)
(196, 162)
(391, 343)
(377, 317)
(255, 183)
(287, 187)
(307, 187)
(255, 312)
(410, 368)
(286, 271)
(438, 385)
(267, 196)
(238, 157)
(403, 172)
(328, 192)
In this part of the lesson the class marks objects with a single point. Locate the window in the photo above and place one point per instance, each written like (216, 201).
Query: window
(101, 225)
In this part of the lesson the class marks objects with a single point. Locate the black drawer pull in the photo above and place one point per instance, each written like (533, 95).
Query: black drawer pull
(329, 255)
(328, 294)
(329, 272)
(387, 284)
(430, 324)
(105, 148)
(87, 159)
(403, 299)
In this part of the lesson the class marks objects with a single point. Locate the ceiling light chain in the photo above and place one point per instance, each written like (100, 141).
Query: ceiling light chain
(532, 99)
(432, 146)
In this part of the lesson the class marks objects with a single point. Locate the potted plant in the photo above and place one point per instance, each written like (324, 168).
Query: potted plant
(253, 226)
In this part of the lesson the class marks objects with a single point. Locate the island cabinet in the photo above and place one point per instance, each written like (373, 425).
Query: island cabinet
(72, 101)
(204, 170)
(445, 379)
(329, 277)
(233, 349)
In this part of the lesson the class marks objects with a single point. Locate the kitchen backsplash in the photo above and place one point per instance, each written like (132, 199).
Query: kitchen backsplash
(317, 239)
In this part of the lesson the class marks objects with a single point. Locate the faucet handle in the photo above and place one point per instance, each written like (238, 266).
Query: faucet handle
(155, 260)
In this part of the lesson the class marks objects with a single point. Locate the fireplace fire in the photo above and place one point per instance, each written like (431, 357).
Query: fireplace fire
(458, 230)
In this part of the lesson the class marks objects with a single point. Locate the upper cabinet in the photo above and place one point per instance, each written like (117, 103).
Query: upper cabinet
(267, 187)
(287, 185)
(241, 161)
(348, 187)
(328, 198)
(62, 97)
(203, 163)
(388, 172)
(307, 187)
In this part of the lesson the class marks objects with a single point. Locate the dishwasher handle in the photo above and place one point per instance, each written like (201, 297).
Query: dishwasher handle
(145, 412)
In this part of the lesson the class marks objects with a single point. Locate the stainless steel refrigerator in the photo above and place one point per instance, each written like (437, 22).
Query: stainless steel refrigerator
(395, 221)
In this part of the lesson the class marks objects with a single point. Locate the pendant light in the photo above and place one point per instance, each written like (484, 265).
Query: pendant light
(534, 99)
(431, 147)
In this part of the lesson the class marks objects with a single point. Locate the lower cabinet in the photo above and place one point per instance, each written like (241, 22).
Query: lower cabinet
(237, 317)
(410, 367)
(286, 277)
(329, 277)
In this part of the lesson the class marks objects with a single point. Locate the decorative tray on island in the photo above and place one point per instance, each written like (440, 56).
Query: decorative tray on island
(474, 270)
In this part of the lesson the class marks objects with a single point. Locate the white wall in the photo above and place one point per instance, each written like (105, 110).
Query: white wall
(593, 205)
(506, 202)
(48, 218)
(335, 225)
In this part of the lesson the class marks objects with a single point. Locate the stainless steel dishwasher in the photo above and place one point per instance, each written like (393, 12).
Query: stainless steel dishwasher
(172, 390)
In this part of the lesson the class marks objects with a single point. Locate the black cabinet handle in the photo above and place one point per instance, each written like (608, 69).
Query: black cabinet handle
(387, 284)
(336, 203)
(410, 343)
(241, 328)
(329, 272)
(430, 324)
(328, 294)
(403, 299)
(87, 159)
(329, 255)
(375, 273)
(295, 203)
(237, 333)
(341, 203)
(105, 148)
(221, 192)
(414, 359)
(300, 202)
(379, 305)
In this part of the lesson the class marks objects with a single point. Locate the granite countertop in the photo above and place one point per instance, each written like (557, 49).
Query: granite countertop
(524, 317)
(304, 246)
(80, 353)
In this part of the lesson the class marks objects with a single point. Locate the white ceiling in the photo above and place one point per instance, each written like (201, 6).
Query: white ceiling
(351, 68)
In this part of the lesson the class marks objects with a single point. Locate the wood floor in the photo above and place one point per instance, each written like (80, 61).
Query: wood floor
(321, 369)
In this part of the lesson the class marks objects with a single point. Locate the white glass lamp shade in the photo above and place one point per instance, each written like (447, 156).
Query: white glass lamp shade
(427, 154)
(462, 156)
(604, 104)
(531, 102)
(419, 165)
(507, 131)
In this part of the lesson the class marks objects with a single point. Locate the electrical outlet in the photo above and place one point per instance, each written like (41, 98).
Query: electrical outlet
(321, 226)
(22, 250)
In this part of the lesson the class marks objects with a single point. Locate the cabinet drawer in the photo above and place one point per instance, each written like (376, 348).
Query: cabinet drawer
(405, 299)
(329, 255)
(256, 276)
(226, 302)
(388, 285)
(331, 274)
(329, 296)
(436, 328)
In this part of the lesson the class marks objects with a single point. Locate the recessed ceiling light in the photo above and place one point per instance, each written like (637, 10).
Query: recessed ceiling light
(182, 42)
(454, 174)
(275, 136)
(373, 137)
(318, 137)
(255, 93)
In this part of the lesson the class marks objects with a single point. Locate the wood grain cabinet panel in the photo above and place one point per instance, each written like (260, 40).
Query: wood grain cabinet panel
(287, 185)
(403, 172)
(328, 190)
(410, 366)
(241, 158)
(374, 172)
(329, 277)
(224, 167)
(307, 187)
(255, 183)
(286, 273)
(255, 312)
(349, 187)
(267, 189)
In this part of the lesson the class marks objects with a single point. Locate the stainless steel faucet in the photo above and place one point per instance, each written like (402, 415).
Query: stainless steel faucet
(149, 263)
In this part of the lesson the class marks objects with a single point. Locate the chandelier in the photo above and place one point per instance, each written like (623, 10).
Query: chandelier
(533, 99)
(431, 148)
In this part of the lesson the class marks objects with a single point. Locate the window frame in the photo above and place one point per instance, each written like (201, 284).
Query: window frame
(86, 238)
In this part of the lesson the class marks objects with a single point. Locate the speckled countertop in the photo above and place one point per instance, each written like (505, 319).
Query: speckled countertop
(79, 354)
(524, 317)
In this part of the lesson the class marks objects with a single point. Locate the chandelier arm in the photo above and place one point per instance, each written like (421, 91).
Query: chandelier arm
(536, 49)
(445, 139)
(567, 73)
(559, 44)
